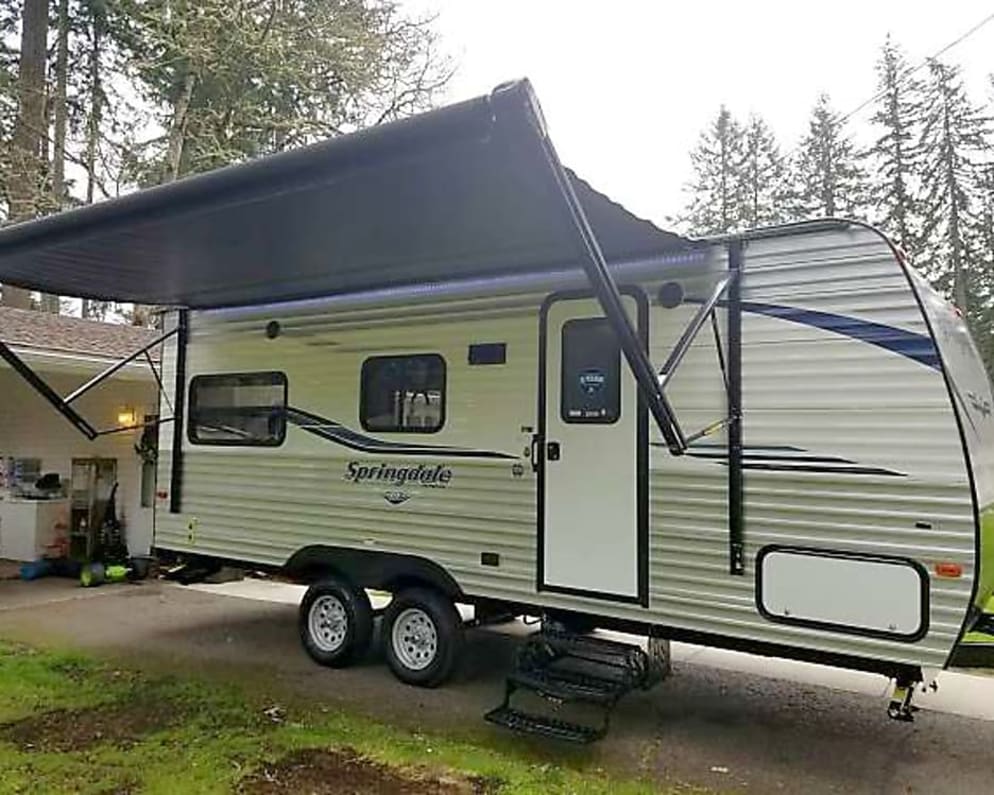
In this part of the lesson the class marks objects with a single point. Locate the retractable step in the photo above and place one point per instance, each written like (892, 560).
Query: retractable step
(543, 726)
(569, 686)
(563, 669)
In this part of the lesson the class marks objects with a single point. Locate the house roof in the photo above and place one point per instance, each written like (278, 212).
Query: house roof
(471, 190)
(71, 335)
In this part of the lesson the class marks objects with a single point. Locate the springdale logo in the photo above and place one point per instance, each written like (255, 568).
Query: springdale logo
(438, 476)
(435, 477)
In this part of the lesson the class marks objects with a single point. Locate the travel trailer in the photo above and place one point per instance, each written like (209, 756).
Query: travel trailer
(429, 360)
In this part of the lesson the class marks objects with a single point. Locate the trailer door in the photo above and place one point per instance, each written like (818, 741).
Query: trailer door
(593, 511)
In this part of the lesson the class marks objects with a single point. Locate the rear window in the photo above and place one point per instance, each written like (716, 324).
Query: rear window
(238, 409)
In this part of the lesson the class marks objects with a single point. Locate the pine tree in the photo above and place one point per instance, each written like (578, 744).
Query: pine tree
(894, 155)
(716, 201)
(827, 175)
(983, 312)
(954, 136)
(763, 176)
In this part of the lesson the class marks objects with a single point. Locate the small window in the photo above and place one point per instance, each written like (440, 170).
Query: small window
(238, 409)
(591, 372)
(403, 393)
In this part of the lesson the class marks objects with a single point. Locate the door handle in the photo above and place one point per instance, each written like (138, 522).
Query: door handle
(552, 451)
(533, 451)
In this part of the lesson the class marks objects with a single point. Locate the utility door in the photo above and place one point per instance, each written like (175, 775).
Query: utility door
(593, 465)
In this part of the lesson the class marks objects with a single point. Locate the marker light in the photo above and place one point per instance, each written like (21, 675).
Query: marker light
(948, 569)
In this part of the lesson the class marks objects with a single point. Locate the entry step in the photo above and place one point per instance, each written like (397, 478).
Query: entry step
(518, 721)
(568, 685)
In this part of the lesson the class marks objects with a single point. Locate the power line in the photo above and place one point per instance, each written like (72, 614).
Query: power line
(920, 66)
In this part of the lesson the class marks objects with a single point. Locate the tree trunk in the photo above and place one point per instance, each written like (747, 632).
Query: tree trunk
(177, 129)
(26, 172)
(59, 111)
(94, 310)
(96, 104)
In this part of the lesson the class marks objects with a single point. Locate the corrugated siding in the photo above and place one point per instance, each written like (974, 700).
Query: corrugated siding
(823, 394)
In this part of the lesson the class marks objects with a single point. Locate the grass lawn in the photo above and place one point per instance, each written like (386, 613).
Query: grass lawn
(69, 723)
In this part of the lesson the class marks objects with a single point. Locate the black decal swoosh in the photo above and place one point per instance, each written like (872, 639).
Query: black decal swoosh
(791, 459)
(339, 434)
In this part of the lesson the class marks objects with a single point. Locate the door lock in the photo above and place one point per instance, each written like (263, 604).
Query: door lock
(552, 451)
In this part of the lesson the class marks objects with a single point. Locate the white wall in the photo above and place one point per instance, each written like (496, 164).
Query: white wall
(30, 427)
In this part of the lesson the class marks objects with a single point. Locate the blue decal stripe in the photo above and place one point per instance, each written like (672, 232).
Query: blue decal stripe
(905, 343)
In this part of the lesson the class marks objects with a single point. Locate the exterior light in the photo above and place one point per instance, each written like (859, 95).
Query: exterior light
(126, 417)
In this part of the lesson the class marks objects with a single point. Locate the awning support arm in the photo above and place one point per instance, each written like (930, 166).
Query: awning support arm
(42, 388)
(607, 294)
(158, 380)
(103, 376)
(62, 404)
(139, 427)
(689, 333)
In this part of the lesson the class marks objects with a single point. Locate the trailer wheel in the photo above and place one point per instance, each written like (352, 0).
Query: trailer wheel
(423, 635)
(335, 622)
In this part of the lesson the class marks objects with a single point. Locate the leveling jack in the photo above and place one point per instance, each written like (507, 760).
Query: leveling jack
(900, 706)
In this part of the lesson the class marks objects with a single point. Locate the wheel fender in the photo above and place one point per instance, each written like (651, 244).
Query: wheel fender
(366, 568)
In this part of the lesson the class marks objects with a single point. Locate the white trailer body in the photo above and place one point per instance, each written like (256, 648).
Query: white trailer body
(532, 475)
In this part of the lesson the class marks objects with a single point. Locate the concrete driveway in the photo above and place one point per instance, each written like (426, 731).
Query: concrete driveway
(724, 720)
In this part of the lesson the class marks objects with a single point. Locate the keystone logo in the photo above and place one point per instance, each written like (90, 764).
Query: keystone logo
(592, 380)
(396, 497)
(438, 476)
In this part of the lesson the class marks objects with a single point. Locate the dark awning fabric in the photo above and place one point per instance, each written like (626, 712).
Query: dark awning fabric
(462, 191)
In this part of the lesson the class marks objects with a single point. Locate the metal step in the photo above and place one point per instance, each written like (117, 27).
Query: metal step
(624, 664)
(564, 685)
(543, 726)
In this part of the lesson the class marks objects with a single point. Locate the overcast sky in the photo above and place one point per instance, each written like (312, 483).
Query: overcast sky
(627, 85)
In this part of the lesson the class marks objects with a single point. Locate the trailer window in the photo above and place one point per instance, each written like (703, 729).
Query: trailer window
(590, 390)
(403, 393)
(238, 409)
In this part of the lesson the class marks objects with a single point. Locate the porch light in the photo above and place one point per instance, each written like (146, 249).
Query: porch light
(126, 417)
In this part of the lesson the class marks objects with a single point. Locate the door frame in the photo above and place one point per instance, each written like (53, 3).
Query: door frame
(641, 452)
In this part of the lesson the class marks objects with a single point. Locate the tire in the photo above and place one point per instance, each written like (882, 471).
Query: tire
(335, 622)
(422, 636)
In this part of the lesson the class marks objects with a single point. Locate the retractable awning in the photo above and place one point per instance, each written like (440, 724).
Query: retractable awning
(462, 191)
(473, 189)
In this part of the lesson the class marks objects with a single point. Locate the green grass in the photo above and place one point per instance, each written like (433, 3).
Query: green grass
(213, 734)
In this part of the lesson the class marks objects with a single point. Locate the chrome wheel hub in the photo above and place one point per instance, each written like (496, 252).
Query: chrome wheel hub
(328, 623)
(414, 639)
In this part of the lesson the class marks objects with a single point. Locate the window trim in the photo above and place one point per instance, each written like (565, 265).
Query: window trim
(363, 417)
(279, 377)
